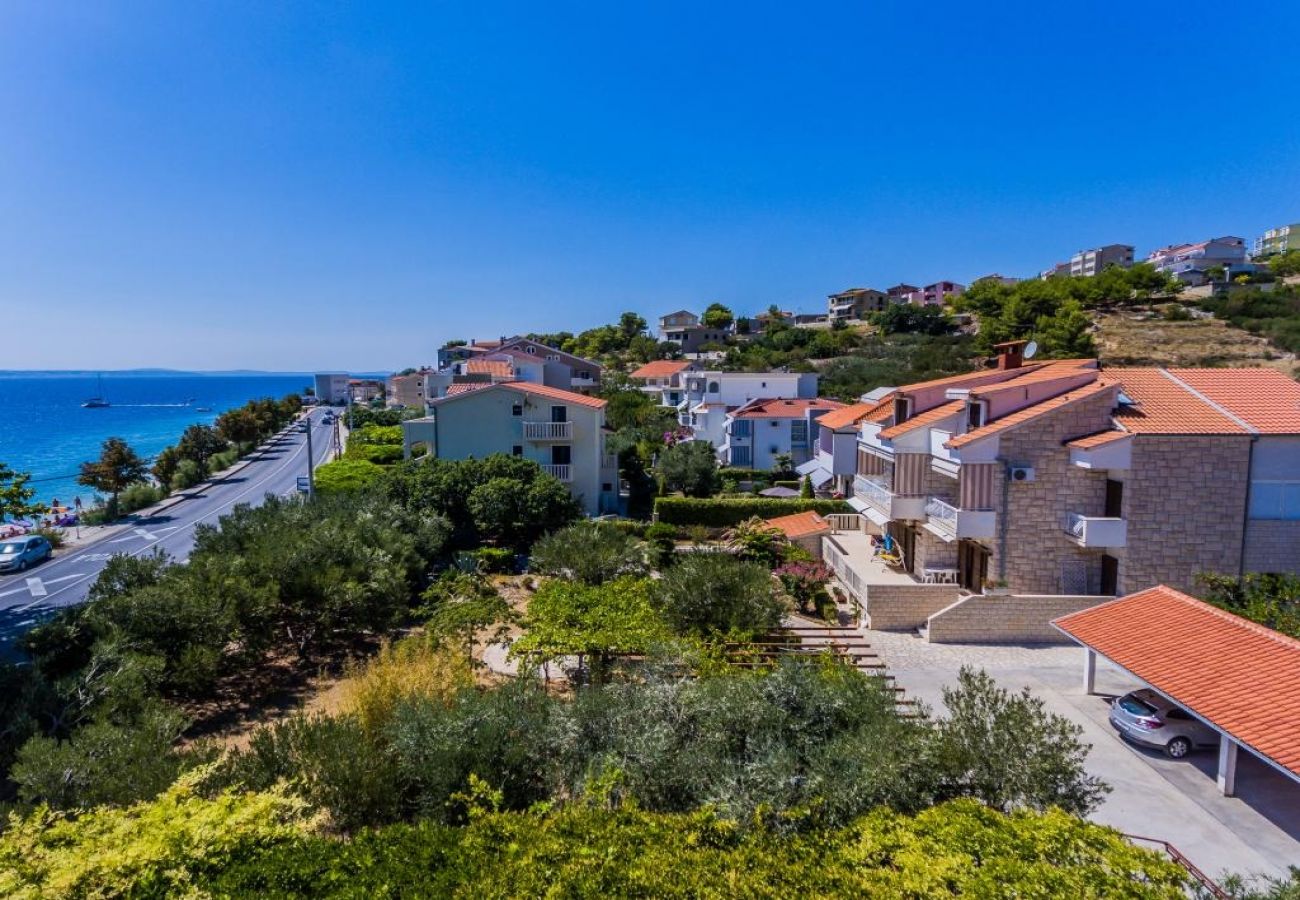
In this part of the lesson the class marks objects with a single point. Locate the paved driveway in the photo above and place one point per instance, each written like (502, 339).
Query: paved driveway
(1153, 796)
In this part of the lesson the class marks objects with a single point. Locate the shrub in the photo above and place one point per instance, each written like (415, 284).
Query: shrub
(346, 476)
(53, 535)
(188, 473)
(757, 541)
(663, 543)
(494, 560)
(223, 460)
(715, 593)
(806, 582)
(589, 552)
(411, 667)
(721, 513)
(140, 495)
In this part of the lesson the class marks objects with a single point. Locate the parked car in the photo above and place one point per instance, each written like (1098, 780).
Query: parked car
(1144, 717)
(19, 554)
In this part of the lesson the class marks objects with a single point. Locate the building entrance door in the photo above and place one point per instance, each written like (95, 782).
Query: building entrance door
(972, 565)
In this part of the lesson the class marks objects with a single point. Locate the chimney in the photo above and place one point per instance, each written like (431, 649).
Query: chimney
(1011, 354)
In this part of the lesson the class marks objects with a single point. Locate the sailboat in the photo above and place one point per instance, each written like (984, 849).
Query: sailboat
(97, 402)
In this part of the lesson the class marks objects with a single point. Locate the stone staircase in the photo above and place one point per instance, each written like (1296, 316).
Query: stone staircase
(848, 642)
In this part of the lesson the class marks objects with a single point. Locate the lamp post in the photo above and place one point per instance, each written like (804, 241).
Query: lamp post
(311, 462)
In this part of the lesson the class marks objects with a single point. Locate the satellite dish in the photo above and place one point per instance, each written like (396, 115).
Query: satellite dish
(1030, 349)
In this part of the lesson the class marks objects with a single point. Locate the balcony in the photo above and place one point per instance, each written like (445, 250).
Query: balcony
(548, 431)
(880, 498)
(1096, 531)
(951, 523)
(559, 472)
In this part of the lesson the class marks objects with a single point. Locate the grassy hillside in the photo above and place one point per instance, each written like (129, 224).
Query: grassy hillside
(1137, 337)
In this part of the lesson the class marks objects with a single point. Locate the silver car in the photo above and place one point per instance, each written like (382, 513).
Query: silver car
(18, 554)
(1146, 718)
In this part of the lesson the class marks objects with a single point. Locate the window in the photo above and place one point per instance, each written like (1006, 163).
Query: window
(975, 412)
(740, 456)
(713, 387)
(532, 350)
(741, 428)
(517, 409)
(561, 455)
(799, 432)
(516, 450)
(559, 414)
(1275, 500)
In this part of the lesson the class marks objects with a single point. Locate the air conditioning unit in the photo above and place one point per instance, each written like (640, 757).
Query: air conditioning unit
(1022, 473)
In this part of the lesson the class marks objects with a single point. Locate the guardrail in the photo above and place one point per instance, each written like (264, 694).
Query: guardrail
(844, 522)
(873, 492)
(558, 471)
(1176, 855)
(548, 431)
(941, 514)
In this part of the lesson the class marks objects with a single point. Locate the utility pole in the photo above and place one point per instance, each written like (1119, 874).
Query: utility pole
(311, 461)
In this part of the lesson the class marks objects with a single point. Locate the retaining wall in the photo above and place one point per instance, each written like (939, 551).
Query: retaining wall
(1006, 618)
(905, 607)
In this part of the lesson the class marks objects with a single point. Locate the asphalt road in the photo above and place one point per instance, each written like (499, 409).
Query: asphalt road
(28, 597)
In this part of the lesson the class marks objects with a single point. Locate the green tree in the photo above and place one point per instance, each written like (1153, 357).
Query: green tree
(589, 552)
(1285, 264)
(117, 467)
(1216, 273)
(806, 488)
(631, 325)
(15, 495)
(346, 476)
(715, 593)
(907, 318)
(1068, 333)
(717, 316)
(239, 426)
(757, 541)
(200, 443)
(690, 467)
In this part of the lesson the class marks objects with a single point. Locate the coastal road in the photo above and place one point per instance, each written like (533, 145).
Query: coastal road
(28, 597)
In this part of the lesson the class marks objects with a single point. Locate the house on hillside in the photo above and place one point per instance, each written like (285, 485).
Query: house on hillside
(1059, 478)
(563, 431)
(1189, 262)
(664, 379)
(855, 304)
(684, 329)
(709, 397)
(755, 434)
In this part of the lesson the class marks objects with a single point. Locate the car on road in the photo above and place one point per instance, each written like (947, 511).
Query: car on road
(20, 554)
(1144, 717)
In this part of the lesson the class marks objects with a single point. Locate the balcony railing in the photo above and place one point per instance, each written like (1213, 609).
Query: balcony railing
(960, 523)
(561, 472)
(873, 492)
(941, 515)
(1097, 531)
(548, 431)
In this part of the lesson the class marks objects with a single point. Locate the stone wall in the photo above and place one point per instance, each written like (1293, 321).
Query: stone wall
(933, 552)
(1272, 545)
(1038, 551)
(1185, 502)
(905, 607)
(1006, 619)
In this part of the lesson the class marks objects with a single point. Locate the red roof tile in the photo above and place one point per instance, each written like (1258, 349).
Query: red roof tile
(528, 387)
(497, 368)
(1100, 439)
(1165, 405)
(1241, 677)
(800, 525)
(1029, 413)
(1265, 399)
(848, 415)
(783, 408)
(929, 417)
(465, 388)
(661, 368)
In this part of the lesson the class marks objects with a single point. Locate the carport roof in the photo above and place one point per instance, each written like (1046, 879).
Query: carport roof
(1240, 677)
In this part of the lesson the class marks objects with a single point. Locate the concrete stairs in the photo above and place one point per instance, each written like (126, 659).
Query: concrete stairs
(848, 642)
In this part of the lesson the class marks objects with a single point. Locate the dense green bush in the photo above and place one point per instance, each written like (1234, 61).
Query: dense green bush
(589, 552)
(710, 593)
(720, 513)
(344, 476)
(494, 560)
(138, 496)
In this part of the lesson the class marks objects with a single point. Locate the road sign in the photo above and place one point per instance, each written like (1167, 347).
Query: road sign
(304, 484)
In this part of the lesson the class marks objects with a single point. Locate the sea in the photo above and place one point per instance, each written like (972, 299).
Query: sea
(45, 431)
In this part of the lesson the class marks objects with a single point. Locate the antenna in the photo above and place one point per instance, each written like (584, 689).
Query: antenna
(1030, 349)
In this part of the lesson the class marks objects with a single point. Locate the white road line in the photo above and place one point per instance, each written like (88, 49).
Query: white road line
(293, 458)
(36, 587)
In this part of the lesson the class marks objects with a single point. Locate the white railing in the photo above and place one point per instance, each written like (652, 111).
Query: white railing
(941, 515)
(560, 472)
(1097, 531)
(839, 564)
(844, 522)
(873, 492)
(548, 431)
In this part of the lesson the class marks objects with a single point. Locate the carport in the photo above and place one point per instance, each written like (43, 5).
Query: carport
(1239, 678)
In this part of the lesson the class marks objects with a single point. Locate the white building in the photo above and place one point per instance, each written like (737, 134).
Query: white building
(708, 397)
(1090, 262)
(1188, 262)
(758, 432)
(333, 388)
(664, 379)
(563, 431)
(834, 462)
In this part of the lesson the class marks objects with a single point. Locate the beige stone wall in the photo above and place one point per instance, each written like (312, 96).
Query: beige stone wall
(933, 552)
(1006, 619)
(1038, 550)
(905, 607)
(1272, 545)
(1185, 502)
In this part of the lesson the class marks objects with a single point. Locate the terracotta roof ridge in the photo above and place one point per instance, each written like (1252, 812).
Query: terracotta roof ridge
(1222, 410)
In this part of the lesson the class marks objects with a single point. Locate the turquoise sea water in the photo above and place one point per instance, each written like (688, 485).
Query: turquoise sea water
(44, 430)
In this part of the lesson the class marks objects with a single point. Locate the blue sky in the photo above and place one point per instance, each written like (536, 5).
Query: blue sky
(300, 186)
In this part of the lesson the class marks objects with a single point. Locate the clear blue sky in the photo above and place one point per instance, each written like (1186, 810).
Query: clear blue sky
(299, 186)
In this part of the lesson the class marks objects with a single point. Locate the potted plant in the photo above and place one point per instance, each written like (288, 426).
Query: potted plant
(996, 587)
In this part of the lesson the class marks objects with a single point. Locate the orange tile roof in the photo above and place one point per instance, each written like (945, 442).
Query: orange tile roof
(783, 408)
(1100, 439)
(661, 368)
(1045, 375)
(1165, 405)
(528, 387)
(884, 410)
(979, 376)
(1265, 399)
(1241, 677)
(464, 388)
(800, 525)
(497, 368)
(1029, 413)
(929, 417)
(846, 416)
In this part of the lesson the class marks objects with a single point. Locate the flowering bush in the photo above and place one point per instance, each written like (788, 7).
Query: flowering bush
(805, 582)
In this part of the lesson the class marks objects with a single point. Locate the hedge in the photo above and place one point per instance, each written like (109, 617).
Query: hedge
(731, 511)
(751, 474)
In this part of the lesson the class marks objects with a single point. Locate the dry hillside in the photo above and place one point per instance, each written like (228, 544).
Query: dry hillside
(1134, 337)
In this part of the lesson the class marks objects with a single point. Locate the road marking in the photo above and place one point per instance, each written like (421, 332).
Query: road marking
(36, 587)
(144, 533)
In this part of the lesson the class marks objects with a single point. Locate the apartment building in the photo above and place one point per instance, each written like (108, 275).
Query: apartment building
(664, 379)
(512, 359)
(363, 390)
(407, 390)
(834, 462)
(938, 294)
(1278, 240)
(1188, 262)
(563, 431)
(683, 328)
(755, 434)
(709, 397)
(1060, 478)
(331, 388)
(854, 304)
(1091, 262)
(899, 292)
(1060, 270)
